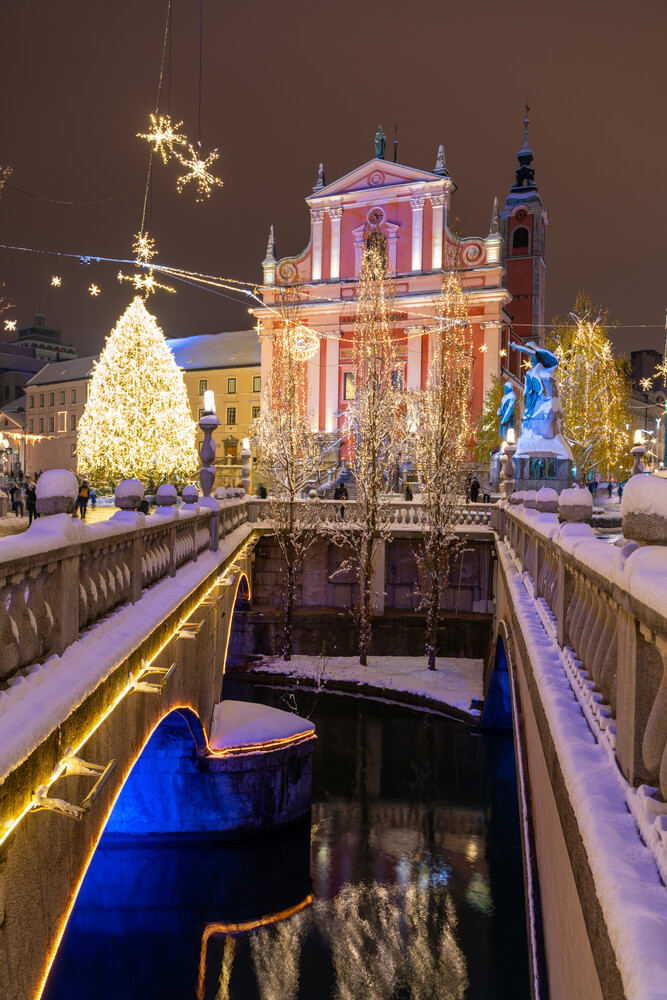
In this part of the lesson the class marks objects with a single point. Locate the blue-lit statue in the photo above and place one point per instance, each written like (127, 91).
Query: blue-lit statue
(542, 421)
(506, 410)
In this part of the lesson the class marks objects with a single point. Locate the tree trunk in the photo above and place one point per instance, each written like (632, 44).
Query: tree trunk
(289, 609)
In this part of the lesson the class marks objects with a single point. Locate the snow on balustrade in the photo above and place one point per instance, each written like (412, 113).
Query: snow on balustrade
(61, 576)
(626, 868)
(604, 610)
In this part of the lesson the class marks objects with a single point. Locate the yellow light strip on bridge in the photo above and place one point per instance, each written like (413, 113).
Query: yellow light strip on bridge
(58, 772)
(267, 747)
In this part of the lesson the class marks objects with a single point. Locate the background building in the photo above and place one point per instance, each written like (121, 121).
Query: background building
(411, 208)
(229, 365)
(56, 398)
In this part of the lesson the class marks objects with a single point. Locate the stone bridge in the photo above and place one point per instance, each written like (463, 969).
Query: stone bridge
(581, 637)
(105, 629)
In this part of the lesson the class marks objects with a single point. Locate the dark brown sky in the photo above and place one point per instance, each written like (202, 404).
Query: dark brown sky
(288, 85)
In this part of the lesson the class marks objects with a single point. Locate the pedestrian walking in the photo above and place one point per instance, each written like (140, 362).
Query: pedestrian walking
(31, 502)
(16, 496)
(82, 500)
(93, 498)
(474, 489)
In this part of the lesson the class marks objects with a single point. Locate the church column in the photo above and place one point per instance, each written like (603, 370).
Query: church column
(332, 382)
(266, 357)
(417, 205)
(313, 377)
(316, 219)
(334, 267)
(438, 203)
(491, 358)
(414, 373)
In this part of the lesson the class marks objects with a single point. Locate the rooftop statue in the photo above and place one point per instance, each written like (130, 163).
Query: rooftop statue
(380, 143)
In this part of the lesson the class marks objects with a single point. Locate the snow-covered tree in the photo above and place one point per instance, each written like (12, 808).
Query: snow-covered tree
(594, 391)
(137, 420)
(371, 424)
(441, 444)
(291, 454)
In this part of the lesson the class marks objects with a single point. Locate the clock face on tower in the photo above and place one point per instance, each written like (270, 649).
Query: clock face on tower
(521, 215)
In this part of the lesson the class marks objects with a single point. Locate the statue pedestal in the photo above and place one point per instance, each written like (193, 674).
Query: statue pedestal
(534, 472)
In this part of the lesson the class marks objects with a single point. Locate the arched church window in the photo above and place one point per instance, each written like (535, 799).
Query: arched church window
(520, 238)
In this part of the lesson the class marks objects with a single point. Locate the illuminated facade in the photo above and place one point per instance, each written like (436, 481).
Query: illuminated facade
(411, 208)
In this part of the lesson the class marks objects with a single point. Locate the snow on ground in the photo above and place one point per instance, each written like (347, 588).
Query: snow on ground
(455, 682)
(36, 702)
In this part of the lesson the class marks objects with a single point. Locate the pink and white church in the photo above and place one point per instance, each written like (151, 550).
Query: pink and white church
(503, 274)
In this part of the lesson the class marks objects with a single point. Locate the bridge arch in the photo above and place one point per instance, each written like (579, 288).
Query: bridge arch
(498, 700)
(198, 734)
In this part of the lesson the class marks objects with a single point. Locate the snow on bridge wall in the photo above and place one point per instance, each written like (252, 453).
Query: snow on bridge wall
(586, 654)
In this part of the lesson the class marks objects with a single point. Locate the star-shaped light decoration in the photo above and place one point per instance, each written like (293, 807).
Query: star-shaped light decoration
(197, 170)
(502, 352)
(56, 281)
(143, 248)
(10, 324)
(646, 384)
(94, 290)
(143, 280)
(661, 370)
(526, 365)
(164, 136)
(484, 348)
(145, 283)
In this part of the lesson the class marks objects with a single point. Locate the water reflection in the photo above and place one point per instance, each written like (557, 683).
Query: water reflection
(412, 859)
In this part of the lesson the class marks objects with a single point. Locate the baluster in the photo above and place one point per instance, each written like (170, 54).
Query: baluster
(601, 651)
(593, 633)
(573, 611)
(654, 742)
(9, 637)
(38, 604)
(25, 623)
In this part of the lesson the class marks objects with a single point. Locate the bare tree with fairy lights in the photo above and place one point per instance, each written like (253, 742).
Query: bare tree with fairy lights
(291, 453)
(137, 420)
(371, 428)
(441, 441)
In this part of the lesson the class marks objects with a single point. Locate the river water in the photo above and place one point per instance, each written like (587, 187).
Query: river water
(406, 884)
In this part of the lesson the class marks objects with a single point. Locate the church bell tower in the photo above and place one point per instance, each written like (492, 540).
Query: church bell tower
(523, 223)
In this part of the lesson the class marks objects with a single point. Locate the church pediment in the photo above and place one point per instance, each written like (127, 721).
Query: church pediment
(374, 175)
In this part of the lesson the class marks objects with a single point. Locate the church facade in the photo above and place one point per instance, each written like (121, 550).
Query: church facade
(502, 275)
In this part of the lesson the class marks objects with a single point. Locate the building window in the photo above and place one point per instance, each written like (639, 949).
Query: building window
(257, 383)
(348, 385)
(255, 412)
(31, 427)
(520, 238)
(202, 411)
(203, 386)
(52, 399)
(52, 425)
(41, 425)
(72, 396)
(72, 421)
(32, 403)
(231, 387)
(41, 399)
(73, 450)
(62, 396)
(397, 380)
(62, 421)
(231, 414)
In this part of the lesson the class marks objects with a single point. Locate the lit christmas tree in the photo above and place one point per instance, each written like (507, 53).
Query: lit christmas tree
(594, 392)
(292, 454)
(441, 443)
(374, 423)
(137, 420)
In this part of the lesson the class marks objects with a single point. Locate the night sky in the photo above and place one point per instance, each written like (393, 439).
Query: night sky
(286, 86)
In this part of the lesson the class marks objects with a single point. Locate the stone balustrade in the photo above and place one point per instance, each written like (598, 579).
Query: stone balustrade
(395, 512)
(55, 584)
(603, 606)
